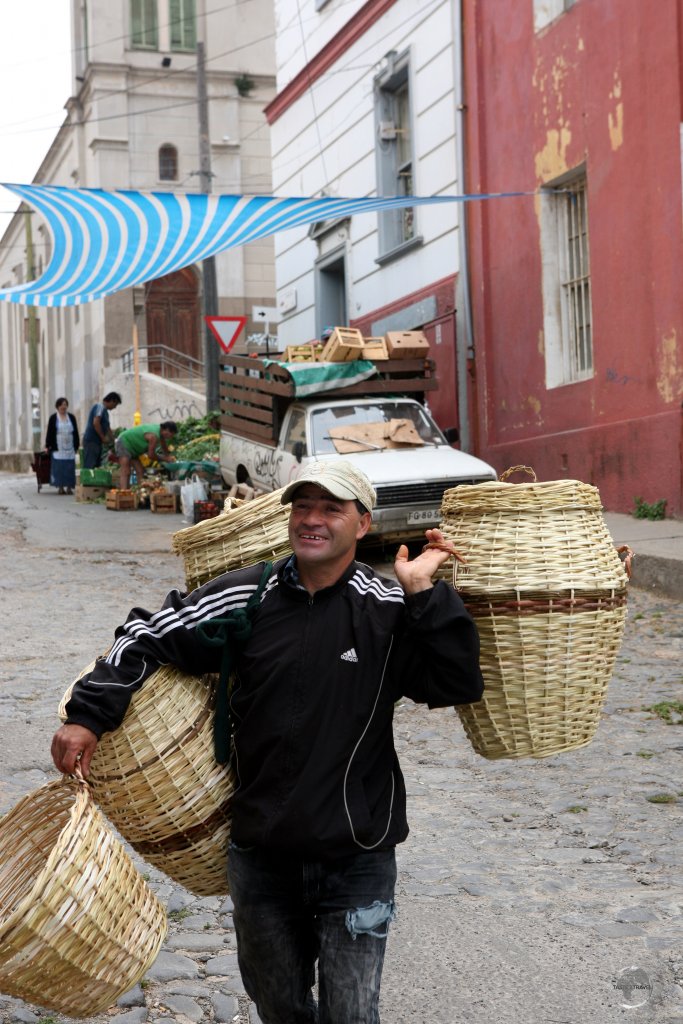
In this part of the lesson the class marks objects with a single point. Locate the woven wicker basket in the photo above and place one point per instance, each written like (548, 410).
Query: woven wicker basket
(245, 532)
(78, 924)
(547, 589)
(157, 780)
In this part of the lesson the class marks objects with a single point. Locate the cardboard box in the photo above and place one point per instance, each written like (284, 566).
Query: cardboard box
(343, 345)
(375, 348)
(122, 501)
(85, 493)
(406, 344)
(162, 502)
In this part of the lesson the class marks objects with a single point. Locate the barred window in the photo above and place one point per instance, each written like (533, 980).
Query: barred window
(168, 163)
(568, 324)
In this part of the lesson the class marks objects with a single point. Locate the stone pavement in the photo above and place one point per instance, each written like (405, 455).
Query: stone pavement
(526, 888)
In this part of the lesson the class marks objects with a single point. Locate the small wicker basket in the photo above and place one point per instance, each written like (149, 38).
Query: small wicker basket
(245, 532)
(547, 589)
(78, 924)
(157, 780)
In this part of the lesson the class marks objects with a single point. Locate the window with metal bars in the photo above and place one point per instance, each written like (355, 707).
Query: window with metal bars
(565, 252)
(575, 283)
(168, 163)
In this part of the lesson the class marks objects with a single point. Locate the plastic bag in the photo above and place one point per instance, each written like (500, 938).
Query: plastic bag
(190, 492)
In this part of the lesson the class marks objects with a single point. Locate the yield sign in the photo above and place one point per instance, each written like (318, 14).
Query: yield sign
(225, 329)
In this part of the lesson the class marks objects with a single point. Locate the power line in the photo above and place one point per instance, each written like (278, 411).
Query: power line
(169, 74)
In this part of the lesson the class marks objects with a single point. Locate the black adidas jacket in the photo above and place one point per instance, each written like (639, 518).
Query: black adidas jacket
(313, 699)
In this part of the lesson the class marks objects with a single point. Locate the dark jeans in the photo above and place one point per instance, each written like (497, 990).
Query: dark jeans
(288, 913)
(92, 454)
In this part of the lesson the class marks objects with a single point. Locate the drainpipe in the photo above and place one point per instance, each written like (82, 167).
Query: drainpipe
(464, 339)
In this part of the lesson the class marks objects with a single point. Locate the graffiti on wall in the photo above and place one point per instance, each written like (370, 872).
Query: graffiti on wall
(177, 411)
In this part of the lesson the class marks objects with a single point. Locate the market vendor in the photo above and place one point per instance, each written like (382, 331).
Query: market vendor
(150, 439)
(320, 802)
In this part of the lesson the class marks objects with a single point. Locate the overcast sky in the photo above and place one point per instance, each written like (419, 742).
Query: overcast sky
(35, 83)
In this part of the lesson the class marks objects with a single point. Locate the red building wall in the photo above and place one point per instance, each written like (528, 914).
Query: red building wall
(600, 86)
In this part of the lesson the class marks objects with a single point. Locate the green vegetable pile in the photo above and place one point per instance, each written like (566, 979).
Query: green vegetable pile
(198, 439)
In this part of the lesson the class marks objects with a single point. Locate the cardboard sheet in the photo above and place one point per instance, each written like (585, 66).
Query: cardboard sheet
(358, 437)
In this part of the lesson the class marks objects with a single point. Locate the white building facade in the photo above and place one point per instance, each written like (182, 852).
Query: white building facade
(133, 122)
(367, 105)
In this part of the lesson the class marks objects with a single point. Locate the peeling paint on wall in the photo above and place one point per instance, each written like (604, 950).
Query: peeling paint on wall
(541, 343)
(534, 404)
(670, 377)
(615, 117)
(551, 161)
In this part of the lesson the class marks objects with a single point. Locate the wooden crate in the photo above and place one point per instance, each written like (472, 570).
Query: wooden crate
(122, 501)
(309, 353)
(375, 348)
(406, 344)
(162, 502)
(343, 345)
(206, 510)
(87, 493)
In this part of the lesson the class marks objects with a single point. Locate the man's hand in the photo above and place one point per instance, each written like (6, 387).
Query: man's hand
(417, 575)
(73, 745)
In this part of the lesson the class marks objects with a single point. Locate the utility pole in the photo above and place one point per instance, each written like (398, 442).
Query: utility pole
(211, 360)
(32, 329)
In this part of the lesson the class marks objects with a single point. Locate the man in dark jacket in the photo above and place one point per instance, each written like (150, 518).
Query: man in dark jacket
(98, 432)
(320, 800)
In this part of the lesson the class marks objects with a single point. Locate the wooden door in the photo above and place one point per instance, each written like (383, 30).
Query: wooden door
(443, 402)
(173, 335)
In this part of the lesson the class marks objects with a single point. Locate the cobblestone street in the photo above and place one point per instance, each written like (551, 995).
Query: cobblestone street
(525, 887)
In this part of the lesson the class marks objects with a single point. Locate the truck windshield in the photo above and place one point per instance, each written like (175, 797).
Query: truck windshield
(381, 412)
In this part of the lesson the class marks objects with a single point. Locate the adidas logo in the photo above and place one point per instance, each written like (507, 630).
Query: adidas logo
(350, 655)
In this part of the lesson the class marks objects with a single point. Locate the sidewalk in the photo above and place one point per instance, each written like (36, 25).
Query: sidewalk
(658, 547)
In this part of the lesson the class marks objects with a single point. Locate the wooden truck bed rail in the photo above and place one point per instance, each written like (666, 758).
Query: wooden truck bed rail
(254, 396)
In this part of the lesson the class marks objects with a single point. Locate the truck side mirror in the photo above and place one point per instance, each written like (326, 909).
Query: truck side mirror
(452, 434)
(299, 450)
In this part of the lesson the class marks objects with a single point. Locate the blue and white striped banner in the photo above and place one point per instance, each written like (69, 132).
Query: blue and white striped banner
(104, 241)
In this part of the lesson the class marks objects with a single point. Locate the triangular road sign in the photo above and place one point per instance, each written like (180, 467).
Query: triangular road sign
(226, 329)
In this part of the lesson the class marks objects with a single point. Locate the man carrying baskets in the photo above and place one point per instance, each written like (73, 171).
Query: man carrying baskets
(320, 801)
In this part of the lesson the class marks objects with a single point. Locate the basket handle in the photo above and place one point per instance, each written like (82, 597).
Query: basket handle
(77, 775)
(517, 469)
(457, 558)
(629, 555)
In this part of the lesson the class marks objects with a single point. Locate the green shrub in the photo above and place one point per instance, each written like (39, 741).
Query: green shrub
(644, 510)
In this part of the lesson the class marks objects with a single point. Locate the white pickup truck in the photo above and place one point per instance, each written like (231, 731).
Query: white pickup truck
(269, 435)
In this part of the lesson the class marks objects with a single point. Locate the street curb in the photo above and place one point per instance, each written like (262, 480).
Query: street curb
(659, 575)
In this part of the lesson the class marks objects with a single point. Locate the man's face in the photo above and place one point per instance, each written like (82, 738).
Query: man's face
(324, 529)
(166, 433)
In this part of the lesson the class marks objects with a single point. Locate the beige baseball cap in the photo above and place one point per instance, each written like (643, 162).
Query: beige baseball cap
(337, 476)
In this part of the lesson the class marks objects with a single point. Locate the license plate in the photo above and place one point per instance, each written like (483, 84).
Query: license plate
(427, 515)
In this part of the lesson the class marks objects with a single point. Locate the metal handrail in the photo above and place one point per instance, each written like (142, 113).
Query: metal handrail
(169, 359)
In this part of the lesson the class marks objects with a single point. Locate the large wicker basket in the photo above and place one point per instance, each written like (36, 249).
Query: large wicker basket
(157, 780)
(78, 924)
(245, 532)
(547, 589)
